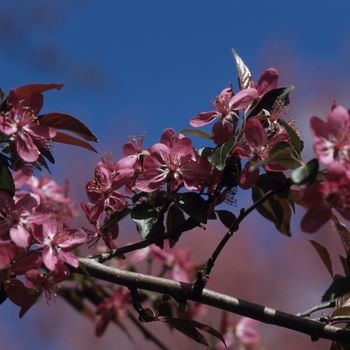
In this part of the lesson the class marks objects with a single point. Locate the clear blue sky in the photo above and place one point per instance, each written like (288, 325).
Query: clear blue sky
(135, 66)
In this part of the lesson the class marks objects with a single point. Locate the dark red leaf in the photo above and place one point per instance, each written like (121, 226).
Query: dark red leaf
(25, 90)
(71, 140)
(67, 122)
(324, 255)
(188, 327)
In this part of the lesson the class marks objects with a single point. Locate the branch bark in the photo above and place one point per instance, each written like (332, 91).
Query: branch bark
(129, 279)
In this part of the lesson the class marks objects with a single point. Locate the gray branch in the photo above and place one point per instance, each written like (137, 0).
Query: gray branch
(129, 279)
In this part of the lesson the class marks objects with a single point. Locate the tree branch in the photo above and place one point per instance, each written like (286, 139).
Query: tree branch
(261, 313)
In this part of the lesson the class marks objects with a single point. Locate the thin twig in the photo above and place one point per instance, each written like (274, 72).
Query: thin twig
(316, 308)
(203, 275)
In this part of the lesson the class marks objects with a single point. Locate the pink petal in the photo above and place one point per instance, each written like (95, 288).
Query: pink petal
(151, 180)
(203, 118)
(26, 147)
(243, 99)
(255, 134)
(221, 131)
(268, 81)
(20, 236)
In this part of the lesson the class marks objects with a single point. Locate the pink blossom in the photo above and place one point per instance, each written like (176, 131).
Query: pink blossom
(321, 198)
(58, 243)
(177, 260)
(268, 81)
(43, 283)
(102, 191)
(332, 138)
(13, 264)
(225, 104)
(112, 309)
(242, 332)
(173, 166)
(256, 148)
(21, 122)
(18, 217)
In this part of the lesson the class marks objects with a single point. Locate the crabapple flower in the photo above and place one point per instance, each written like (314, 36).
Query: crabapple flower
(21, 124)
(268, 81)
(102, 191)
(177, 260)
(14, 288)
(43, 283)
(242, 332)
(18, 217)
(332, 138)
(256, 148)
(113, 308)
(321, 198)
(58, 243)
(225, 105)
(173, 166)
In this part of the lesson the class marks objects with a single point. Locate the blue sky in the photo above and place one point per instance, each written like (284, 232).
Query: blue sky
(135, 66)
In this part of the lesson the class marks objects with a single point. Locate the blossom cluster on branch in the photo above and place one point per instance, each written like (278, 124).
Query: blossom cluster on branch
(166, 190)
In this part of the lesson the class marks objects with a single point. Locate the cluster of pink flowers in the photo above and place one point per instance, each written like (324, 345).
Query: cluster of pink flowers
(26, 137)
(241, 334)
(249, 137)
(331, 146)
(35, 239)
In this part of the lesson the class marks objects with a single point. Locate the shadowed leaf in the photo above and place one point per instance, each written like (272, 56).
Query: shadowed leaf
(6, 181)
(343, 233)
(339, 287)
(175, 218)
(25, 90)
(188, 327)
(71, 140)
(193, 205)
(324, 255)
(67, 122)
(145, 216)
(271, 99)
(226, 217)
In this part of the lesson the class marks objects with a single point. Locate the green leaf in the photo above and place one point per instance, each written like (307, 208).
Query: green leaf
(145, 216)
(271, 99)
(196, 132)
(193, 205)
(284, 154)
(294, 137)
(188, 327)
(324, 255)
(6, 180)
(226, 217)
(338, 288)
(175, 218)
(218, 157)
(306, 174)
